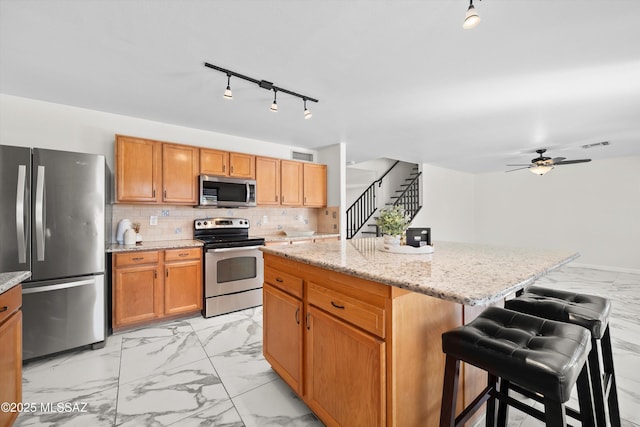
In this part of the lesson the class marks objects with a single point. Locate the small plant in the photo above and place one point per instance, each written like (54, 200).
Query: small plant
(393, 221)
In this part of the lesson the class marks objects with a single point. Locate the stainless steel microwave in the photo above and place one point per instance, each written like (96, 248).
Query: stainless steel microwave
(227, 192)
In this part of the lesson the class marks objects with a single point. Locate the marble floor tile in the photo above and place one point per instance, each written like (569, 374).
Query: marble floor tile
(160, 355)
(211, 372)
(274, 404)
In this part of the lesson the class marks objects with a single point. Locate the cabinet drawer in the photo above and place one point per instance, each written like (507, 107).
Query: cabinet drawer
(136, 258)
(359, 313)
(10, 302)
(284, 281)
(182, 254)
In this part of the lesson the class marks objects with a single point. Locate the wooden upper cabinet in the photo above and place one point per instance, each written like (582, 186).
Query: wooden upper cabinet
(267, 181)
(138, 176)
(214, 162)
(180, 170)
(291, 183)
(242, 165)
(315, 185)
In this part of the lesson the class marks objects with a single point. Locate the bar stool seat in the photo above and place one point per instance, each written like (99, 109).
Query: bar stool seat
(541, 355)
(591, 312)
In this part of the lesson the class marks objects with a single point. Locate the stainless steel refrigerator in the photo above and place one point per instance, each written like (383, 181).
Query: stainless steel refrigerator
(52, 223)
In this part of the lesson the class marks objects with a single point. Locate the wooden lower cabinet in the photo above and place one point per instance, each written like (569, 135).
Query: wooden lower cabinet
(152, 285)
(371, 354)
(10, 352)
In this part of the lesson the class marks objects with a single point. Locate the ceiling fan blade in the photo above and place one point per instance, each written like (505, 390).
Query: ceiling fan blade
(519, 165)
(555, 160)
(526, 167)
(569, 162)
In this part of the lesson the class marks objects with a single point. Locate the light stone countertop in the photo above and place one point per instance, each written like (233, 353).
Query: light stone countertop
(152, 246)
(283, 237)
(465, 273)
(12, 279)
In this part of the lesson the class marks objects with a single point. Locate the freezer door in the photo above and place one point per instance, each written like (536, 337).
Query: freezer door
(68, 197)
(15, 176)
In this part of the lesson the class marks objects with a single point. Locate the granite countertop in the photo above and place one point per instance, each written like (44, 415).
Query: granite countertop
(284, 237)
(465, 273)
(12, 279)
(151, 246)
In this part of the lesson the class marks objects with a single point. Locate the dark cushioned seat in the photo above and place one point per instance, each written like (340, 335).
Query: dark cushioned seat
(589, 311)
(539, 354)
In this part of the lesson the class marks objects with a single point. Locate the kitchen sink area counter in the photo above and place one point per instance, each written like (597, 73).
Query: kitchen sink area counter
(152, 246)
(465, 273)
(356, 332)
(11, 279)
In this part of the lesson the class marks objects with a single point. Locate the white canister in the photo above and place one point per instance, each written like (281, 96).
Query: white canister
(130, 236)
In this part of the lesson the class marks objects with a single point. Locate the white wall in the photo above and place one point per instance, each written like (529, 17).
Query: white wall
(334, 156)
(447, 204)
(30, 123)
(591, 208)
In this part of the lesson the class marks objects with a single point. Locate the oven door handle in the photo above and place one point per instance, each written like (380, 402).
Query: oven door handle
(241, 248)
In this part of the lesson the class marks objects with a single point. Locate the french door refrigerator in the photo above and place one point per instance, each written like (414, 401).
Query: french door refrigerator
(52, 223)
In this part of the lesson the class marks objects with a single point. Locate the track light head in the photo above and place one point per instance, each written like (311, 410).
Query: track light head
(227, 93)
(274, 106)
(307, 113)
(471, 18)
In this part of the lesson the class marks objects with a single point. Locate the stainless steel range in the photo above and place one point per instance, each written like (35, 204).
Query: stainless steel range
(233, 266)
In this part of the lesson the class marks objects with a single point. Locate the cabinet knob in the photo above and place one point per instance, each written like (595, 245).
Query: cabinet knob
(279, 280)
(307, 321)
(6, 307)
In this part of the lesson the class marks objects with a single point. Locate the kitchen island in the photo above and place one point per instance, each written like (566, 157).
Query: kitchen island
(356, 332)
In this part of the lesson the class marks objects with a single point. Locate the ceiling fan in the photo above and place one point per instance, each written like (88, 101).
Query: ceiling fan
(541, 164)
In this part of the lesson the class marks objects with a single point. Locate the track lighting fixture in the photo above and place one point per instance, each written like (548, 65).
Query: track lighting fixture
(227, 93)
(307, 113)
(471, 18)
(264, 85)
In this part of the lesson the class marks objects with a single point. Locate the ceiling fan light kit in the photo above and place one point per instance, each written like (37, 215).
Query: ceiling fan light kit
(542, 164)
(264, 85)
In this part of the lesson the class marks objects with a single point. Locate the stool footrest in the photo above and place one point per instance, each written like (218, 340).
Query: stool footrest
(474, 406)
(529, 410)
(535, 396)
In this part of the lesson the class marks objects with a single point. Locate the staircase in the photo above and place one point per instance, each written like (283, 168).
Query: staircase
(360, 213)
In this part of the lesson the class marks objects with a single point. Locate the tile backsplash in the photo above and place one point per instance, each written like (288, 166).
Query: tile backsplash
(176, 222)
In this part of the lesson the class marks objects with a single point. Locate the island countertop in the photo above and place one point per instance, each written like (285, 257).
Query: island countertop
(11, 279)
(466, 273)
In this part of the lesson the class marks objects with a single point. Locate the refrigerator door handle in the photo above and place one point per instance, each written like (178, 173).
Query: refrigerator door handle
(39, 216)
(20, 219)
(56, 287)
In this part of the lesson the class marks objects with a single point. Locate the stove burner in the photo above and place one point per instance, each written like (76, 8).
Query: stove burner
(224, 233)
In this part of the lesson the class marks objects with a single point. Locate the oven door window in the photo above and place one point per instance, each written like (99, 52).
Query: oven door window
(237, 268)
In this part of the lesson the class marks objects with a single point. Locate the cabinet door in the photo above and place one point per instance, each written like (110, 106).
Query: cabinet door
(267, 181)
(11, 365)
(282, 335)
(182, 287)
(137, 295)
(242, 165)
(214, 162)
(291, 183)
(315, 185)
(345, 372)
(180, 168)
(138, 176)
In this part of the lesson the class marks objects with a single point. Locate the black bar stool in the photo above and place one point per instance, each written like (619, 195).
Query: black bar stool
(541, 355)
(591, 312)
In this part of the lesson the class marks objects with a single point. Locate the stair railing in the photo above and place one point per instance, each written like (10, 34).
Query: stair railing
(364, 207)
(409, 200)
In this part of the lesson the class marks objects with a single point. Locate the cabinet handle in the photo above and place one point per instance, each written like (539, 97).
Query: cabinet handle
(231, 168)
(276, 198)
(138, 258)
(305, 200)
(167, 272)
(282, 199)
(154, 193)
(279, 280)
(165, 193)
(308, 325)
(224, 168)
(297, 315)
(155, 274)
(341, 307)
(5, 308)
(183, 254)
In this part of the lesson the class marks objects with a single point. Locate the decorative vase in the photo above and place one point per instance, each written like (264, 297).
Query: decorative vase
(391, 240)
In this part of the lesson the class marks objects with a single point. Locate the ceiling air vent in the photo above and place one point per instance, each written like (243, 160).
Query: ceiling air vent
(596, 144)
(307, 157)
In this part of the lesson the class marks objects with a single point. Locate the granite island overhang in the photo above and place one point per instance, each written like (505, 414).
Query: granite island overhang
(356, 332)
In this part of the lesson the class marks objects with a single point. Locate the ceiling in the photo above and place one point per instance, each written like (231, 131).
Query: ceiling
(397, 79)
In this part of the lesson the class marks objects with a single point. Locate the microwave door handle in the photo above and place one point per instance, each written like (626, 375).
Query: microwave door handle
(241, 248)
(20, 214)
(248, 192)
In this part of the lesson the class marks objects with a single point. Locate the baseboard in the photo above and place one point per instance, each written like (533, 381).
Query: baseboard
(604, 267)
